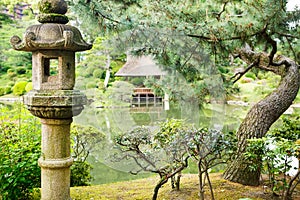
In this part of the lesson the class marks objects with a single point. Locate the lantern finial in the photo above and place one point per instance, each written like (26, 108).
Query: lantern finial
(53, 11)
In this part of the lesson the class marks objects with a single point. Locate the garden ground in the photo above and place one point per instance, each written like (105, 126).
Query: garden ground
(142, 190)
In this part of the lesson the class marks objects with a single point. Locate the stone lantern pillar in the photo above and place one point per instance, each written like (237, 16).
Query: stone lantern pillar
(53, 45)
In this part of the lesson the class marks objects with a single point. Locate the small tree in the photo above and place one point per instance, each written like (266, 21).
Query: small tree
(171, 137)
(140, 146)
(209, 148)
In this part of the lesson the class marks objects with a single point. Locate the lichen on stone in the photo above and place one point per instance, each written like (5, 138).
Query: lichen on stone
(52, 18)
(45, 7)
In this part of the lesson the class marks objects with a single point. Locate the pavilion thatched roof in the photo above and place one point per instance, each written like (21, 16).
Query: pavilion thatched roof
(140, 66)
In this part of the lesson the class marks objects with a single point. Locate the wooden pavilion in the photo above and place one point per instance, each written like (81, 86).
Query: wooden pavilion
(142, 66)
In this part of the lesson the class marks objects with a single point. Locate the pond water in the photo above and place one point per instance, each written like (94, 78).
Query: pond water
(112, 121)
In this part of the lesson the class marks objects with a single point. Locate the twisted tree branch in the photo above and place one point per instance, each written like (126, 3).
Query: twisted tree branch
(222, 11)
(240, 74)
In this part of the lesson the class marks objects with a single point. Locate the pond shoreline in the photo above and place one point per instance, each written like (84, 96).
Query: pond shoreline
(11, 99)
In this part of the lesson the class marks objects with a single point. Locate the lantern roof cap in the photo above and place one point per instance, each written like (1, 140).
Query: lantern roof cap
(52, 33)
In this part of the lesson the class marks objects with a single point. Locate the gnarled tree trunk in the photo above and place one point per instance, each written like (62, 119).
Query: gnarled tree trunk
(263, 114)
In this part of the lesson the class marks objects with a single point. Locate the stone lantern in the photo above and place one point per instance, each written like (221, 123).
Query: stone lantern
(53, 45)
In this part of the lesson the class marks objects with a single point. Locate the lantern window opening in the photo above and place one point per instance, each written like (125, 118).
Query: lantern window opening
(50, 68)
(53, 67)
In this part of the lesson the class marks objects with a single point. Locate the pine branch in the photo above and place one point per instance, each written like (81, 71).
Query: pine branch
(224, 39)
(222, 11)
(278, 66)
(273, 52)
(288, 35)
(99, 14)
(291, 47)
(273, 43)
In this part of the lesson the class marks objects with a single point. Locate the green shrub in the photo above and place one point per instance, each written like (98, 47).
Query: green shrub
(90, 85)
(8, 90)
(223, 69)
(90, 70)
(100, 85)
(11, 73)
(261, 75)
(3, 68)
(245, 98)
(138, 81)
(98, 73)
(5, 90)
(81, 174)
(2, 91)
(10, 84)
(251, 75)
(21, 70)
(19, 152)
(19, 88)
(28, 87)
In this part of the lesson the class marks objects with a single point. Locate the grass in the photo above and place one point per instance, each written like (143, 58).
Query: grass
(142, 189)
(248, 91)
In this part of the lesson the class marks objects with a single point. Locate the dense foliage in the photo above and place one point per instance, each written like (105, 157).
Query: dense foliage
(19, 152)
(14, 66)
(153, 24)
(279, 151)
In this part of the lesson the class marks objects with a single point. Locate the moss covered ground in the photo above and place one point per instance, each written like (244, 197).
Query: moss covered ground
(142, 190)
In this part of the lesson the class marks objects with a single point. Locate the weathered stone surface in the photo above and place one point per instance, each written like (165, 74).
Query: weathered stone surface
(42, 65)
(55, 98)
(55, 160)
(54, 112)
(56, 104)
(55, 140)
(50, 36)
(55, 184)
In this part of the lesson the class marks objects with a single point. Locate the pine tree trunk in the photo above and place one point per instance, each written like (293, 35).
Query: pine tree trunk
(260, 118)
